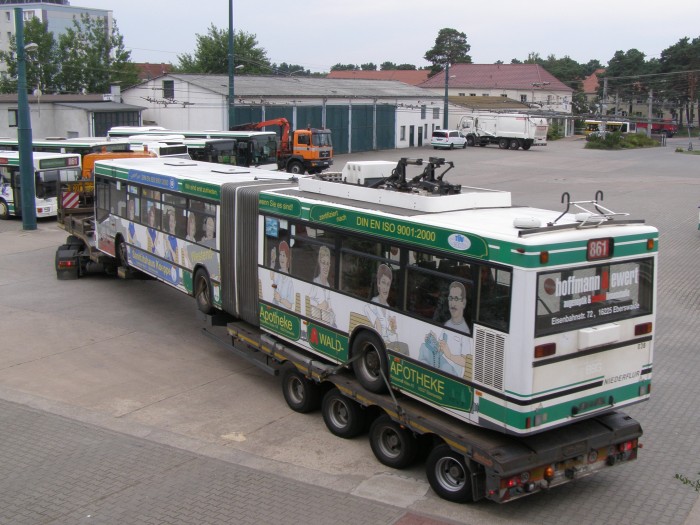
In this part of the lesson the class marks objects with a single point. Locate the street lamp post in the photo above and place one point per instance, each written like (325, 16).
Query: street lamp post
(24, 129)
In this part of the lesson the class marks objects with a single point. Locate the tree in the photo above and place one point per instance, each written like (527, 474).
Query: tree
(211, 54)
(369, 67)
(87, 58)
(344, 67)
(290, 69)
(41, 65)
(450, 48)
(91, 58)
(683, 56)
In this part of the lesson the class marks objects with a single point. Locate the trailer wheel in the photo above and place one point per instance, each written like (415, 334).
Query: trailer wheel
(526, 146)
(503, 143)
(393, 445)
(448, 475)
(295, 167)
(4, 210)
(370, 365)
(301, 394)
(470, 141)
(514, 144)
(344, 417)
(202, 291)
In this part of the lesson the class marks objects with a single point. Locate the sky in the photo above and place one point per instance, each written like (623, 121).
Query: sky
(318, 34)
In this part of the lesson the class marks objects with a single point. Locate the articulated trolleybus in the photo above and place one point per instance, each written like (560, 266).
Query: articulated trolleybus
(513, 319)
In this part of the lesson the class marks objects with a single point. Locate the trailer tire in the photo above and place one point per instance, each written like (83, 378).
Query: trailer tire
(448, 475)
(295, 167)
(370, 364)
(201, 286)
(4, 210)
(514, 144)
(344, 417)
(301, 394)
(393, 445)
(470, 141)
(503, 143)
(526, 146)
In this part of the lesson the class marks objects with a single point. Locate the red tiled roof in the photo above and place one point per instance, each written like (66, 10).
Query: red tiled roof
(590, 83)
(408, 76)
(148, 71)
(505, 76)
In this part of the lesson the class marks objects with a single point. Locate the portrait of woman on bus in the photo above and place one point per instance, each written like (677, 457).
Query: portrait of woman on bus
(282, 285)
(320, 298)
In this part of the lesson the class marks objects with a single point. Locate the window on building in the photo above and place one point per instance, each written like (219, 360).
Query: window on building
(7, 16)
(436, 113)
(461, 94)
(484, 94)
(423, 111)
(12, 118)
(472, 94)
(103, 121)
(403, 133)
(425, 131)
(168, 89)
(504, 95)
(523, 98)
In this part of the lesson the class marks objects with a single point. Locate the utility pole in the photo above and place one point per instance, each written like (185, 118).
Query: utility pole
(447, 82)
(24, 130)
(649, 110)
(231, 94)
(604, 105)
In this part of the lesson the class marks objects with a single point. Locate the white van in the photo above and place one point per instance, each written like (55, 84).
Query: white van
(447, 138)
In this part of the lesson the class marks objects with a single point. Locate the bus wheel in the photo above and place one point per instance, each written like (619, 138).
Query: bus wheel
(448, 475)
(393, 445)
(4, 210)
(370, 364)
(202, 291)
(301, 394)
(295, 167)
(526, 146)
(344, 417)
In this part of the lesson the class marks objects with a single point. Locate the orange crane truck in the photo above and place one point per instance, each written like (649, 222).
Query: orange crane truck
(304, 150)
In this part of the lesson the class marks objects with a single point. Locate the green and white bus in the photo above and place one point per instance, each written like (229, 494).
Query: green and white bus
(252, 148)
(81, 145)
(511, 318)
(49, 170)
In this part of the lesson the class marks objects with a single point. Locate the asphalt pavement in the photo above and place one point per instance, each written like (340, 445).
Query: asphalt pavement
(115, 409)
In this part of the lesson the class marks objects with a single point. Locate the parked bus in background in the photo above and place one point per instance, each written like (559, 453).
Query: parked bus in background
(49, 170)
(610, 126)
(510, 318)
(81, 145)
(219, 151)
(253, 148)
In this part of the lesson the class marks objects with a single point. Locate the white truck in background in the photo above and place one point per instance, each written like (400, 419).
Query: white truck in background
(508, 130)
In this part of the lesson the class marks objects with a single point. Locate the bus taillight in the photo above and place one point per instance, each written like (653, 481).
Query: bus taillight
(650, 244)
(545, 349)
(642, 329)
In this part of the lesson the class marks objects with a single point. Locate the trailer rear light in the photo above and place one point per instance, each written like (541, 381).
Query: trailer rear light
(545, 350)
(548, 473)
(643, 328)
(66, 265)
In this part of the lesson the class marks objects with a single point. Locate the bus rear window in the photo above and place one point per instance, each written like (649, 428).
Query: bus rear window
(593, 295)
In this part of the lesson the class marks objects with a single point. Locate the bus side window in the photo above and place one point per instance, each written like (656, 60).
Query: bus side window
(494, 297)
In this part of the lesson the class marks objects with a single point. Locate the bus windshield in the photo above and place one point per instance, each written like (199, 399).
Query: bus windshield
(583, 297)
